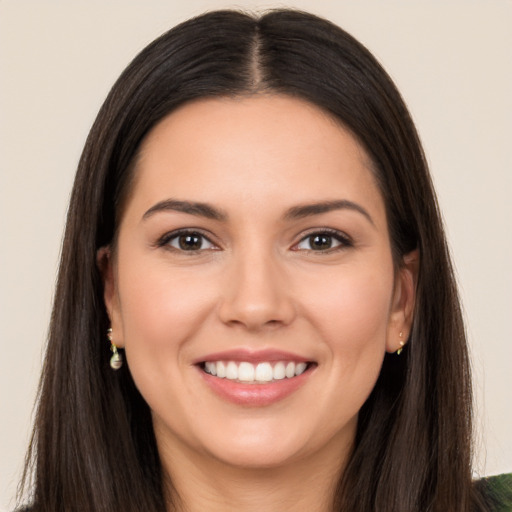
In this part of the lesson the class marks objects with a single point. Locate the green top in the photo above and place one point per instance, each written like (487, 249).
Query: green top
(497, 492)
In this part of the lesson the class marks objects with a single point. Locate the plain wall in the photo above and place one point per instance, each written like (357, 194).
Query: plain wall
(452, 60)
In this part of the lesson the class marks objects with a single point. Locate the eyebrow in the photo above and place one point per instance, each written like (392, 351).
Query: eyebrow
(301, 211)
(190, 207)
(297, 212)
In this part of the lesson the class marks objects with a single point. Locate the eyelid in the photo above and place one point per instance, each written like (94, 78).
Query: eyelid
(164, 240)
(343, 239)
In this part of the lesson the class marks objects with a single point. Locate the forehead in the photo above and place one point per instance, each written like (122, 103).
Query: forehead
(273, 122)
(252, 149)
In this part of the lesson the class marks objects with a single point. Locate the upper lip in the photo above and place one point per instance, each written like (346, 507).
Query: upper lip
(253, 356)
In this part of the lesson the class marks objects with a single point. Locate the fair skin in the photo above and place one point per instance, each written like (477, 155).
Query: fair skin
(288, 262)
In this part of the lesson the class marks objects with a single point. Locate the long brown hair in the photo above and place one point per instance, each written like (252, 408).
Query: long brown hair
(93, 446)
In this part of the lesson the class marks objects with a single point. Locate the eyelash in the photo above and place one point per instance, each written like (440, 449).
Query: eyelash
(165, 241)
(343, 240)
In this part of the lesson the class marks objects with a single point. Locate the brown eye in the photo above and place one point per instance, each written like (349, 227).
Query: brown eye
(188, 241)
(323, 242)
(191, 242)
(320, 242)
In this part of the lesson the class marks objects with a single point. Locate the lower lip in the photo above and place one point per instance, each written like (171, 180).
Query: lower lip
(255, 395)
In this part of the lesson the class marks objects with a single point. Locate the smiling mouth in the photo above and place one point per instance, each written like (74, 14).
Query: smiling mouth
(260, 373)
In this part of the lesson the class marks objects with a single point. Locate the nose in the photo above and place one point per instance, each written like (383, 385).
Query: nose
(256, 294)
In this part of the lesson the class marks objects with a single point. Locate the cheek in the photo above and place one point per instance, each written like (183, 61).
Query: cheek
(161, 308)
(353, 324)
(162, 311)
(351, 313)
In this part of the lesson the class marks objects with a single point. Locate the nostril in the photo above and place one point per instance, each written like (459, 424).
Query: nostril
(256, 295)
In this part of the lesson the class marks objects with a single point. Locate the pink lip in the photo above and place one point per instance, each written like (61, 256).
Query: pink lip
(256, 394)
(252, 356)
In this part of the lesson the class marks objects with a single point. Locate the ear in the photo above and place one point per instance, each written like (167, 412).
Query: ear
(106, 265)
(404, 298)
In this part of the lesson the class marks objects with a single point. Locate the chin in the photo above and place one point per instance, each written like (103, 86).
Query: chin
(256, 456)
(265, 445)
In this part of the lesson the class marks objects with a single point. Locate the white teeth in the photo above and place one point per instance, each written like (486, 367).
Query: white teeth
(210, 368)
(221, 369)
(250, 373)
(245, 372)
(264, 372)
(279, 371)
(300, 368)
(232, 371)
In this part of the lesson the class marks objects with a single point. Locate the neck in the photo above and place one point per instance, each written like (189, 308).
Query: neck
(201, 484)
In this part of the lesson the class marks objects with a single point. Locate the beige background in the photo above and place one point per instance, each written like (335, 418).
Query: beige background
(451, 59)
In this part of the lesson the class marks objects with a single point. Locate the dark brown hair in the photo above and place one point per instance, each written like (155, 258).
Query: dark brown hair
(93, 446)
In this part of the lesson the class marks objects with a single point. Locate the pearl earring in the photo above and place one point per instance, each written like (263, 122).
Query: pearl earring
(116, 361)
(402, 343)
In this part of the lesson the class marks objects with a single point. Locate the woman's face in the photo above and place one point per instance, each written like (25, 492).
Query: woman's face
(253, 286)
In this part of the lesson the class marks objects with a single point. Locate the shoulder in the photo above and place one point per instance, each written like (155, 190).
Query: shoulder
(496, 492)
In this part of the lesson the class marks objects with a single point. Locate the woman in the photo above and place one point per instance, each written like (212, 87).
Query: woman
(259, 339)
